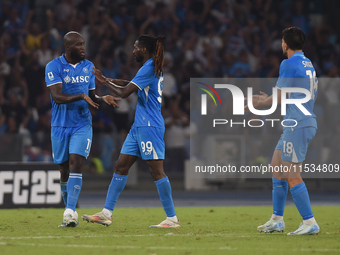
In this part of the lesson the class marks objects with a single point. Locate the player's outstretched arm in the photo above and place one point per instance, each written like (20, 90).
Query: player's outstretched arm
(119, 82)
(263, 100)
(60, 98)
(122, 91)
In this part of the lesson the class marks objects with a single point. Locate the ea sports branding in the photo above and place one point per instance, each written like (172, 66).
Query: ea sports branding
(24, 187)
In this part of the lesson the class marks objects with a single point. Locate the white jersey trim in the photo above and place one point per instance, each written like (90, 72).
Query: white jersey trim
(136, 85)
(74, 65)
(54, 83)
(114, 84)
(146, 91)
(294, 157)
(155, 156)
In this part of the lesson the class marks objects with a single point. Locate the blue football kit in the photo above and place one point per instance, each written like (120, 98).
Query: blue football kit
(146, 137)
(297, 71)
(71, 125)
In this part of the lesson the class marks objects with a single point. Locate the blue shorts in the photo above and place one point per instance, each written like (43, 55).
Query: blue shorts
(294, 144)
(70, 140)
(145, 142)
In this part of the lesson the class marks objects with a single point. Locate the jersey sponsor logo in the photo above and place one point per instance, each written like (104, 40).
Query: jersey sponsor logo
(66, 70)
(50, 76)
(77, 79)
(80, 79)
(67, 79)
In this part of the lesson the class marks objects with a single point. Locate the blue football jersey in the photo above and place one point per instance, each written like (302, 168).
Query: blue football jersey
(298, 72)
(148, 111)
(76, 79)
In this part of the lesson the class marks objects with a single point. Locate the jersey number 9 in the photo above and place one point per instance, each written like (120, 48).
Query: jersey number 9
(160, 89)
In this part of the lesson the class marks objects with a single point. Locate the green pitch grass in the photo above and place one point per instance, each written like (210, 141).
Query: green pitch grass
(204, 230)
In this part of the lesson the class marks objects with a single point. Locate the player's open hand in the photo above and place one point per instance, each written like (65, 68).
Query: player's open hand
(263, 96)
(256, 101)
(90, 102)
(99, 76)
(111, 100)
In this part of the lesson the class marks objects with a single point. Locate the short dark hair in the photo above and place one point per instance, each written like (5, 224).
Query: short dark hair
(294, 37)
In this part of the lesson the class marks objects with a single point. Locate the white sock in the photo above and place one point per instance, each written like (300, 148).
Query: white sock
(309, 221)
(107, 212)
(277, 217)
(173, 218)
(68, 211)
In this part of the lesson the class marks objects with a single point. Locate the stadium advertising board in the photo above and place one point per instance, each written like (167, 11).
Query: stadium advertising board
(29, 186)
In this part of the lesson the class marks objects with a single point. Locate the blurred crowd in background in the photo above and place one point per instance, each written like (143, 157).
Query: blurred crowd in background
(205, 38)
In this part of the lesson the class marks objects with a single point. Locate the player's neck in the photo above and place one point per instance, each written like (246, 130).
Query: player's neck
(71, 60)
(147, 57)
(291, 52)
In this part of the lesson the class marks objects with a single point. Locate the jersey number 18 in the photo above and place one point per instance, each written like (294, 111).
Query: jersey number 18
(313, 83)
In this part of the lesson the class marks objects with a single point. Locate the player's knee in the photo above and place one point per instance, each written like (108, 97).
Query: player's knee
(76, 166)
(294, 181)
(157, 174)
(64, 170)
(64, 173)
(120, 168)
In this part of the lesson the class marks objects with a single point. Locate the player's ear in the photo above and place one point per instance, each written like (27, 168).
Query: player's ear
(285, 45)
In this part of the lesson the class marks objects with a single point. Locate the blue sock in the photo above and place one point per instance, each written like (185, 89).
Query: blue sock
(74, 184)
(117, 185)
(280, 190)
(301, 199)
(63, 187)
(164, 191)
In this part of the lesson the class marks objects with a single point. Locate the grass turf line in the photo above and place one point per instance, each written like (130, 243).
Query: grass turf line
(204, 230)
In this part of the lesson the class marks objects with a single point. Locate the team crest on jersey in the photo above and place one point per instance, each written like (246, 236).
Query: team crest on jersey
(67, 79)
(50, 76)
(85, 70)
